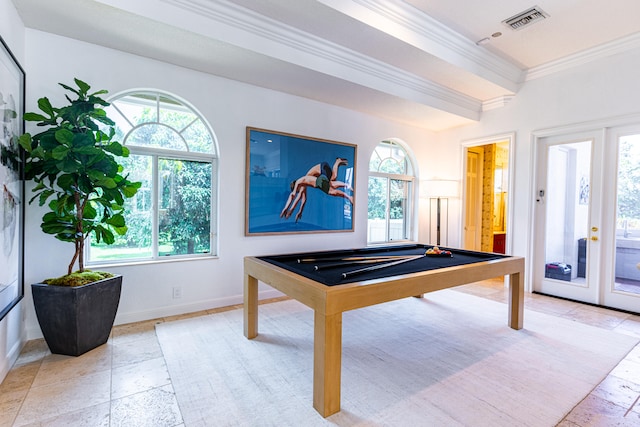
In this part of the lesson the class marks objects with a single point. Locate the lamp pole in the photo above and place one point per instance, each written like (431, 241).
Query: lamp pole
(438, 222)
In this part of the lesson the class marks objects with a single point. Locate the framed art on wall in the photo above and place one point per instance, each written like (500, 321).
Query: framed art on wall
(12, 82)
(298, 184)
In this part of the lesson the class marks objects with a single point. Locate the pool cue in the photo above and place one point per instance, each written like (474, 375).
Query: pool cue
(342, 264)
(377, 267)
(354, 258)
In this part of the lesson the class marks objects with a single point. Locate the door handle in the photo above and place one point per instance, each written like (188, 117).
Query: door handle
(594, 238)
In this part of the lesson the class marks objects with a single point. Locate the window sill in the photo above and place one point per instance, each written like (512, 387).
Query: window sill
(133, 263)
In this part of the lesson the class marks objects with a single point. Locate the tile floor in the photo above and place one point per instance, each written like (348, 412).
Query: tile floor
(126, 383)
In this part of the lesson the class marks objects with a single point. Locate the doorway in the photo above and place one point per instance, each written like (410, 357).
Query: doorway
(586, 243)
(486, 194)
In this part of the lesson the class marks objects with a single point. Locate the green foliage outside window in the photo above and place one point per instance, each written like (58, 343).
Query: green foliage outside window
(183, 186)
(629, 183)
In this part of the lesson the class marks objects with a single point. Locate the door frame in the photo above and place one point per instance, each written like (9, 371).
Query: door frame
(606, 127)
(589, 291)
(610, 297)
(509, 138)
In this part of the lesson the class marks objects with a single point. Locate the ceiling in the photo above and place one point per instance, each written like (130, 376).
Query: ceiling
(415, 61)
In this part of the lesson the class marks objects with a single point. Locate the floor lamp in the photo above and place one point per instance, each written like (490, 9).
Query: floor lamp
(439, 191)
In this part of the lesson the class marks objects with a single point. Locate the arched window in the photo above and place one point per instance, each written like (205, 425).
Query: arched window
(391, 194)
(174, 155)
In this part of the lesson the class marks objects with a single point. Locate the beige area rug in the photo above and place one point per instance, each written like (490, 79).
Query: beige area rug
(446, 360)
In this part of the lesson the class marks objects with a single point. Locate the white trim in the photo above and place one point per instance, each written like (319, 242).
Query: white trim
(624, 120)
(328, 57)
(414, 224)
(621, 45)
(499, 102)
(409, 24)
(510, 137)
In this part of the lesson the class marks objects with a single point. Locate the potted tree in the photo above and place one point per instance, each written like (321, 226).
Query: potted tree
(73, 165)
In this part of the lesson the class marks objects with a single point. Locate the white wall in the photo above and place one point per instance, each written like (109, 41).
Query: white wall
(229, 106)
(601, 90)
(12, 326)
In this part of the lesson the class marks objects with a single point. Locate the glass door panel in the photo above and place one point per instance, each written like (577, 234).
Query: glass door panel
(627, 253)
(567, 219)
(567, 212)
(588, 212)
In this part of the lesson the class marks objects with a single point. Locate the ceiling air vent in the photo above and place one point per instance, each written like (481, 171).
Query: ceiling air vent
(526, 18)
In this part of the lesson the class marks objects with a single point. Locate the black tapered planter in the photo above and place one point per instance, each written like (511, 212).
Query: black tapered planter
(75, 320)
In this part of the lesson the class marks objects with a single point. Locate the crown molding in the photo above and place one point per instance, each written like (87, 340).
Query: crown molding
(620, 45)
(420, 30)
(309, 51)
(499, 102)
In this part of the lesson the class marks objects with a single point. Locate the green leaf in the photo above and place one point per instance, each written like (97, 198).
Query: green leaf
(131, 189)
(34, 117)
(82, 85)
(88, 150)
(85, 139)
(68, 165)
(89, 211)
(106, 183)
(100, 92)
(108, 236)
(45, 105)
(64, 136)
(95, 175)
(44, 196)
(60, 152)
(116, 220)
(115, 148)
(121, 231)
(25, 141)
(66, 181)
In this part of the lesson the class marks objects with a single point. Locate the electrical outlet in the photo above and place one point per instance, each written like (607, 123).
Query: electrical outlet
(177, 291)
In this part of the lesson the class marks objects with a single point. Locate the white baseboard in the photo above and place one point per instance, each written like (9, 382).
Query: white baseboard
(10, 360)
(175, 310)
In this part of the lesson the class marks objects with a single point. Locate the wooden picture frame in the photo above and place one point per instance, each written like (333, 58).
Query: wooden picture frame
(12, 95)
(298, 184)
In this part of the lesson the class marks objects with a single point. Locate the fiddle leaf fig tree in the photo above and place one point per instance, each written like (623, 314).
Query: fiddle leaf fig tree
(73, 164)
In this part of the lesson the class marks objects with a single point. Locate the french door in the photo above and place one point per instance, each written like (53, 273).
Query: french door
(587, 210)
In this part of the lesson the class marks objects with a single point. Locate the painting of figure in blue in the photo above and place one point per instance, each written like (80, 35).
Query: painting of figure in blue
(298, 184)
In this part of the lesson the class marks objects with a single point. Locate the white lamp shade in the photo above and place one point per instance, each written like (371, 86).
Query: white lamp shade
(442, 188)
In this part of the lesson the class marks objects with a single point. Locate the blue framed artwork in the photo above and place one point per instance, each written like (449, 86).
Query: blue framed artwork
(12, 91)
(298, 184)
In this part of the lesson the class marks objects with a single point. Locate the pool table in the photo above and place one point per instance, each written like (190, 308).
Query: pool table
(333, 282)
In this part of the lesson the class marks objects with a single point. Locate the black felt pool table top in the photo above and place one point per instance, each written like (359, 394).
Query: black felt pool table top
(305, 264)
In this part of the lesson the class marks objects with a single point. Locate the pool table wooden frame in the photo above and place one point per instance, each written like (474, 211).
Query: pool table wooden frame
(329, 302)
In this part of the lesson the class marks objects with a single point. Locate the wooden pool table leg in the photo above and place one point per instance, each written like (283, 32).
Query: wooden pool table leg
(327, 358)
(516, 300)
(250, 306)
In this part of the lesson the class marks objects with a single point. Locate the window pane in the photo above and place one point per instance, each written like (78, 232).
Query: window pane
(567, 210)
(137, 243)
(171, 213)
(398, 200)
(389, 165)
(184, 192)
(156, 135)
(198, 137)
(389, 157)
(178, 118)
(377, 224)
(627, 271)
(135, 109)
